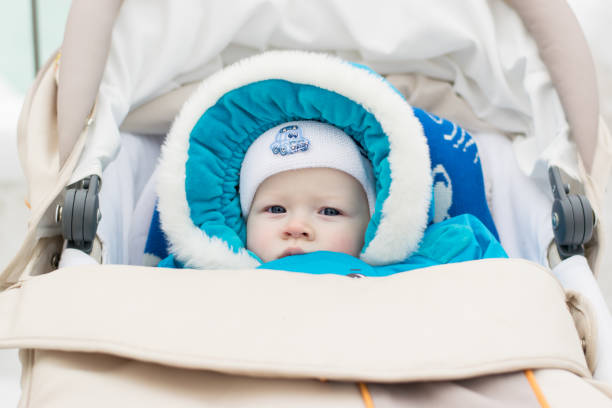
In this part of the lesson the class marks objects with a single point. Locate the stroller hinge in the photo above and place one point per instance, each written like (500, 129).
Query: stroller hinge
(573, 220)
(80, 213)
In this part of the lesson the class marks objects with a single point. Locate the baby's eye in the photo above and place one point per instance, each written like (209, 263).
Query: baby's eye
(329, 211)
(276, 209)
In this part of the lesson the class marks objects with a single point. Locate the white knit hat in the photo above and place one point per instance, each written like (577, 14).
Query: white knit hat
(299, 145)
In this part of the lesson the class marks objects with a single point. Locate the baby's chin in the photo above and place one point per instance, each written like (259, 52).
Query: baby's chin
(299, 251)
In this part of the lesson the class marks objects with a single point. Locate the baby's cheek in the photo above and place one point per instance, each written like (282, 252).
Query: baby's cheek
(349, 242)
(257, 235)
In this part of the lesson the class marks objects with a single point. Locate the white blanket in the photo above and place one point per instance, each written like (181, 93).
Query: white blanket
(520, 208)
(482, 47)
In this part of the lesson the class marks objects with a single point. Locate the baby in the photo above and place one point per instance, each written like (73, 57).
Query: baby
(305, 187)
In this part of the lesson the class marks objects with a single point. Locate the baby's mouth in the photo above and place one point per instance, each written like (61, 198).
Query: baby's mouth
(291, 251)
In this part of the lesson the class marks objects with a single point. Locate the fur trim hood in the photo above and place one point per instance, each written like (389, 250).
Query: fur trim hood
(199, 204)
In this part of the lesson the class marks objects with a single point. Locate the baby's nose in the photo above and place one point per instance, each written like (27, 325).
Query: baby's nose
(297, 228)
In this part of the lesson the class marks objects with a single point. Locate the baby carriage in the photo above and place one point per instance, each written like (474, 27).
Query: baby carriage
(478, 333)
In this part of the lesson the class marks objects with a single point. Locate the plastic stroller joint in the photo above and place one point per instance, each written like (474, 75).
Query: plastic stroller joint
(573, 220)
(80, 213)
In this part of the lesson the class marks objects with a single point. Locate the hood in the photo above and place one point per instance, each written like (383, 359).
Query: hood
(199, 204)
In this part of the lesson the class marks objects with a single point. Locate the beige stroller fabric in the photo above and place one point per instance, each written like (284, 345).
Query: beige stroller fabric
(273, 323)
(290, 326)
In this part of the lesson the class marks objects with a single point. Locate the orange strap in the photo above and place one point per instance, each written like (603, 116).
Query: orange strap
(536, 389)
(365, 394)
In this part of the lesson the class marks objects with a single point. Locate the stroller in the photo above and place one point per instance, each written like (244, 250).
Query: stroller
(97, 328)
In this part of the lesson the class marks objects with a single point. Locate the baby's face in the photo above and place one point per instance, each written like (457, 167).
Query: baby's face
(307, 210)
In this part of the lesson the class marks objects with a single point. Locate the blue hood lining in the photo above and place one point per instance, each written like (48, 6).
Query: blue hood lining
(222, 135)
